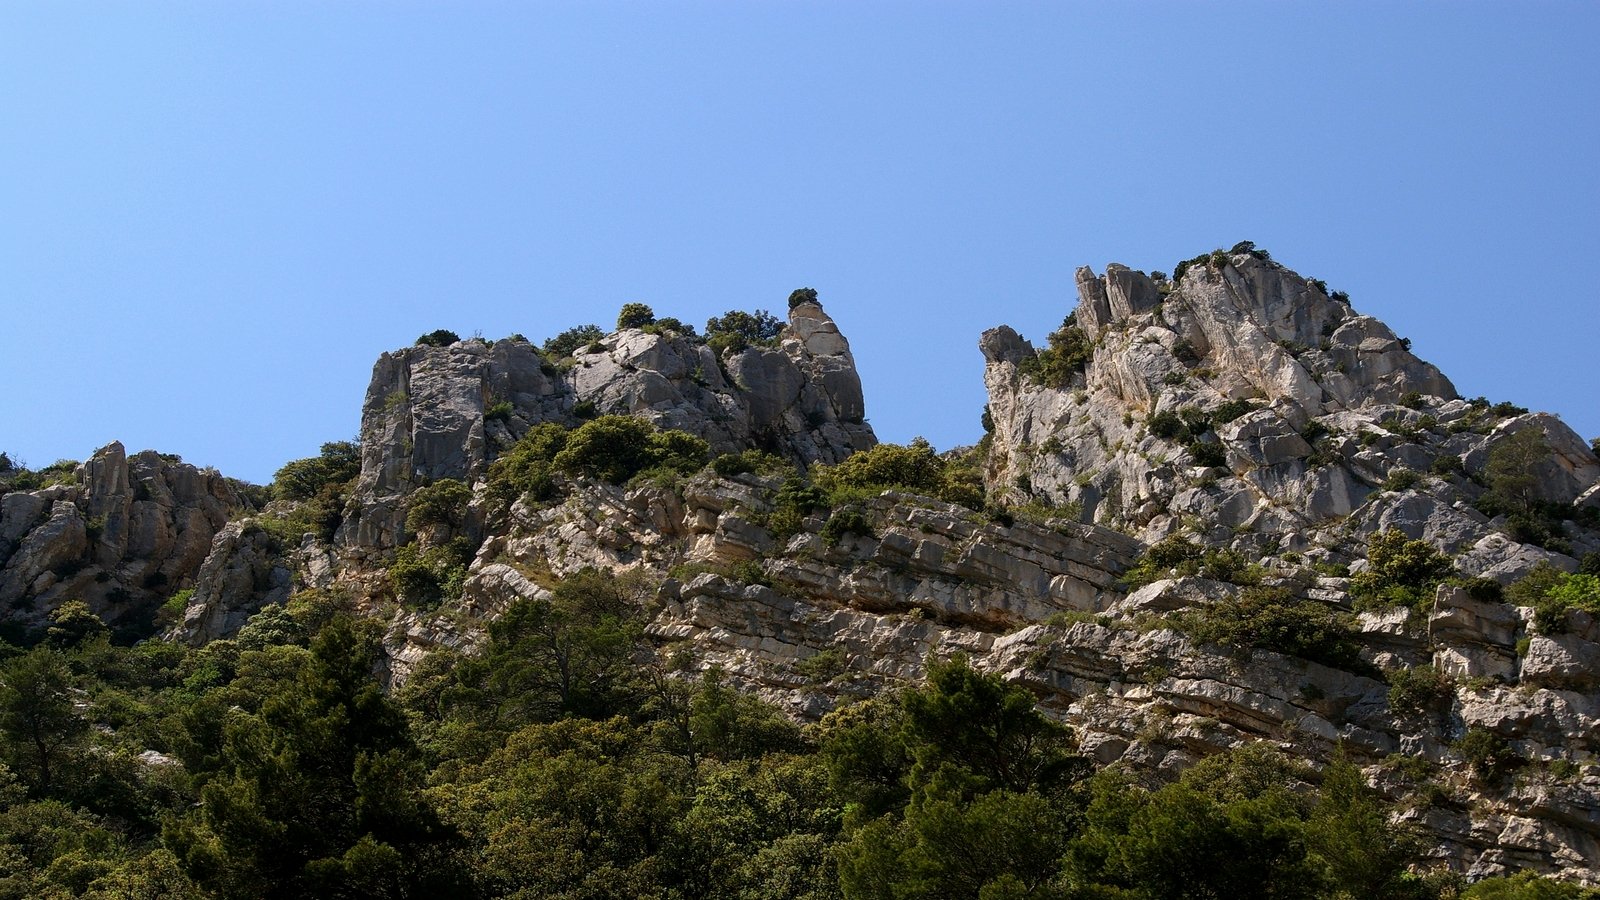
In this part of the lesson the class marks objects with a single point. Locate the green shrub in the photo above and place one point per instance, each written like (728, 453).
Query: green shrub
(1167, 425)
(669, 325)
(443, 502)
(616, 448)
(760, 462)
(302, 479)
(1483, 590)
(1445, 466)
(635, 315)
(1528, 885)
(1489, 754)
(1419, 688)
(802, 295)
(794, 501)
(498, 412)
(528, 467)
(1564, 595)
(1177, 556)
(567, 342)
(913, 468)
(1400, 572)
(1068, 352)
(439, 338)
(735, 330)
(1274, 619)
(1231, 410)
(822, 666)
(425, 578)
(849, 520)
(1401, 479)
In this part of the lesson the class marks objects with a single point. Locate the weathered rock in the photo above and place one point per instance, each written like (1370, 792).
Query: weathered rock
(130, 532)
(424, 414)
(244, 573)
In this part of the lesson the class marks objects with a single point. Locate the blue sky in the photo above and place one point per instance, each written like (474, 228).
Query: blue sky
(214, 217)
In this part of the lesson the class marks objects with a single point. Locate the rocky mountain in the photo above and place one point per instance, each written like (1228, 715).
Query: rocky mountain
(1186, 460)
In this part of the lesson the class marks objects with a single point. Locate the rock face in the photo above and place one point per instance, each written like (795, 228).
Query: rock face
(243, 573)
(1242, 407)
(1245, 400)
(425, 414)
(811, 625)
(125, 534)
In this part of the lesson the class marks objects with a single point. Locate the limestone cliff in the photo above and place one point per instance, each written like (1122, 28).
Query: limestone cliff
(427, 413)
(1240, 406)
(123, 533)
(1243, 402)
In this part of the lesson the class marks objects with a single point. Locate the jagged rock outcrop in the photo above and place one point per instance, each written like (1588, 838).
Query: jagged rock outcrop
(811, 624)
(244, 572)
(1242, 406)
(123, 535)
(424, 417)
(1245, 402)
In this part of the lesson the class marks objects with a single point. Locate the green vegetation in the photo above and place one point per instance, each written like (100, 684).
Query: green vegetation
(610, 448)
(1512, 478)
(845, 521)
(635, 315)
(735, 330)
(1489, 755)
(1068, 352)
(571, 759)
(425, 578)
(443, 502)
(802, 295)
(567, 342)
(1528, 886)
(499, 411)
(758, 462)
(912, 468)
(795, 500)
(319, 485)
(1271, 618)
(1400, 572)
(1554, 595)
(1179, 557)
(16, 477)
(1419, 689)
(1231, 410)
(438, 338)
(1401, 479)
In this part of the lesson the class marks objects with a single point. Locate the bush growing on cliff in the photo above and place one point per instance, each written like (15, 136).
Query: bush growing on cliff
(635, 315)
(443, 502)
(1275, 619)
(439, 338)
(1069, 351)
(1179, 557)
(319, 485)
(610, 448)
(425, 578)
(912, 468)
(735, 330)
(1554, 594)
(567, 342)
(1400, 572)
(802, 295)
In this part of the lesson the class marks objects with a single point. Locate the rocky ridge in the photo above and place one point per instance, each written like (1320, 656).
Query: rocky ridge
(122, 534)
(1296, 421)
(1244, 402)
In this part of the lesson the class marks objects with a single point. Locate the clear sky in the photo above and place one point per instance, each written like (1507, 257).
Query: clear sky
(215, 216)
